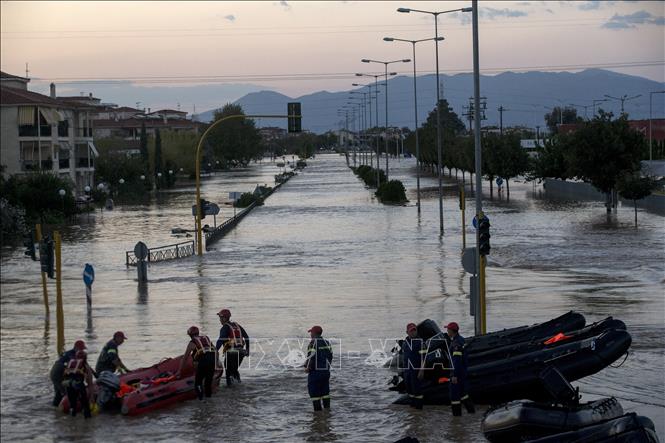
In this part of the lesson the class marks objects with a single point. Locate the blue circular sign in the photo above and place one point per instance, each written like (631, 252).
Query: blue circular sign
(499, 181)
(88, 274)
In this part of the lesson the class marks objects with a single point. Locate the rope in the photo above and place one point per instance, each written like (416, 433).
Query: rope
(621, 364)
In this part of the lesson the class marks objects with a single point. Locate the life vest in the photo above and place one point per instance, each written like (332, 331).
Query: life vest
(559, 337)
(235, 338)
(75, 366)
(203, 346)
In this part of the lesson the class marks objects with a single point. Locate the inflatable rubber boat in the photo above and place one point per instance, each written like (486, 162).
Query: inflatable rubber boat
(519, 376)
(146, 389)
(524, 420)
(629, 428)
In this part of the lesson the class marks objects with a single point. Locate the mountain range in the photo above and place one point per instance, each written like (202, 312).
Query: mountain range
(525, 98)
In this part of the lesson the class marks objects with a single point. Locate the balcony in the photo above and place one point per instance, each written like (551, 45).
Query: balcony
(33, 165)
(84, 132)
(31, 131)
(63, 163)
(82, 162)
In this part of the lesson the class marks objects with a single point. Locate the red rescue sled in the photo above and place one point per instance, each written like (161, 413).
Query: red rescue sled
(147, 389)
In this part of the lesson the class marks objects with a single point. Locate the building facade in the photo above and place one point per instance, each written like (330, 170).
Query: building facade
(41, 133)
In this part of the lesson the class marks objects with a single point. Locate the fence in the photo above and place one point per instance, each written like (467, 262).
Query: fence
(163, 253)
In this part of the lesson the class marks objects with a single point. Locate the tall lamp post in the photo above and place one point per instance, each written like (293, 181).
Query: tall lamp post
(369, 108)
(624, 98)
(650, 120)
(385, 64)
(415, 104)
(376, 109)
(438, 99)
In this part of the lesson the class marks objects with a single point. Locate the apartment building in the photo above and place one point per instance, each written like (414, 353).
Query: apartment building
(45, 133)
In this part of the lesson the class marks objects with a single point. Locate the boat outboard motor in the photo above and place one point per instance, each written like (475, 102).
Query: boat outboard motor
(109, 384)
(558, 387)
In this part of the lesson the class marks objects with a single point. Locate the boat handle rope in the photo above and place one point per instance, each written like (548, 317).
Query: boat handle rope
(624, 361)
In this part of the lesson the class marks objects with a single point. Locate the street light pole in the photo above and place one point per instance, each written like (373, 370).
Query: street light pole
(385, 64)
(651, 121)
(415, 105)
(438, 100)
(624, 98)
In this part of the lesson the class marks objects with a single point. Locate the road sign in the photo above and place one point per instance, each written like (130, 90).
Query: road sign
(469, 260)
(499, 181)
(88, 274)
(211, 209)
(475, 221)
(141, 250)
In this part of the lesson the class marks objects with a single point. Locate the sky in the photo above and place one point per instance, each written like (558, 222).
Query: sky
(299, 47)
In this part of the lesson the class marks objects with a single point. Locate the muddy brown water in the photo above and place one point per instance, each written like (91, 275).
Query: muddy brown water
(323, 251)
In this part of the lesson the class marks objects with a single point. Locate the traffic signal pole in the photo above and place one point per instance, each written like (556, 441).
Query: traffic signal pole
(38, 237)
(60, 317)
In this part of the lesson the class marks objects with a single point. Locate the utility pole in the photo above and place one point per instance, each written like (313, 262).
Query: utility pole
(501, 109)
(27, 72)
(624, 98)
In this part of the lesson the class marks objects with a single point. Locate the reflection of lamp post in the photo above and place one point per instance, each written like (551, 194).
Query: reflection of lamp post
(415, 104)
(438, 99)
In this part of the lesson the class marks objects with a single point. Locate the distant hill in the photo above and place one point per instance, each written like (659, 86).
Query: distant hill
(523, 95)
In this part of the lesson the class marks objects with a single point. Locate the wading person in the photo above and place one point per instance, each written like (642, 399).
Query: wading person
(58, 370)
(77, 376)
(234, 342)
(317, 366)
(459, 385)
(414, 358)
(204, 357)
(109, 360)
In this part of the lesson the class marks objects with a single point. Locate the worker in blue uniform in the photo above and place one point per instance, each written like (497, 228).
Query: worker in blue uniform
(459, 385)
(317, 366)
(414, 350)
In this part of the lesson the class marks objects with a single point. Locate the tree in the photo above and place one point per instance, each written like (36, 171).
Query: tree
(603, 150)
(143, 144)
(236, 141)
(561, 115)
(512, 160)
(633, 187)
(38, 194)
(451, 127)
(550, 161)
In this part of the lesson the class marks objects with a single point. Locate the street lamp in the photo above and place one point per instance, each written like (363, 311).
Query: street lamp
(385, 64)
(142, 177)
(121, 181)
(624, 98)
(376, 96)
(415, 104)
(376, 109)
(599, 100)
(438, 99)
(650, 120)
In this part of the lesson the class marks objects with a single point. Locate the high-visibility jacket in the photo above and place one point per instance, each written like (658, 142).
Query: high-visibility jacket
(458, 357)
(203, 345)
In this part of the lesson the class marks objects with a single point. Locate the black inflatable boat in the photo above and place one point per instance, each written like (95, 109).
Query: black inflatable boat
(629, 428)
(518, 377)
(524, 420)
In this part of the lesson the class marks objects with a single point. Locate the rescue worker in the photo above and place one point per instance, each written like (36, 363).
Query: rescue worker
(414, 350)
(459, 385)
(317, 366)
(77, 376)
(58, 371)
(109, 360)
(204, 357)
(234, 342)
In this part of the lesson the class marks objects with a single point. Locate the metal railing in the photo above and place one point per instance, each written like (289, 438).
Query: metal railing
(163, 253)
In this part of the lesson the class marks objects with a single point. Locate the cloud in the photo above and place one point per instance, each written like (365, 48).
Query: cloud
(589, 6)
(230, 17)
(629, 21)
(284, 4)
(492, 13)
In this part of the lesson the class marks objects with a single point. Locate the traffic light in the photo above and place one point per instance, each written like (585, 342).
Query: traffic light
(47, 256)
(484, 236)
(29, 243)
(295, 118)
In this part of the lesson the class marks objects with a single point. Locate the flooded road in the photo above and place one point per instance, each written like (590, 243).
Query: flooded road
(323, 251)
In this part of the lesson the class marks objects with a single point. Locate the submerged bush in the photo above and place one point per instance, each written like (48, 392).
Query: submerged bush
(392, 192)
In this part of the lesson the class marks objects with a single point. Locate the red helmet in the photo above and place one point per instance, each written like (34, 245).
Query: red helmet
(120, 334)
(79, 345)
(224, 313)
(192, 331)
(452, 325)
(316, 329)
(81, 354)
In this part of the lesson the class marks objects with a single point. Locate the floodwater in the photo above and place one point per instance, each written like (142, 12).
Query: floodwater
(323, 251)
